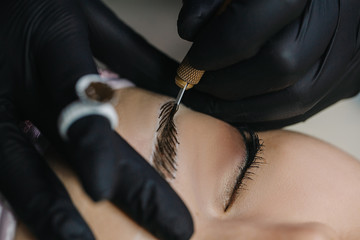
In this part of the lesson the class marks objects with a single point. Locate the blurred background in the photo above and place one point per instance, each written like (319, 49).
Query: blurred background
(156, 21)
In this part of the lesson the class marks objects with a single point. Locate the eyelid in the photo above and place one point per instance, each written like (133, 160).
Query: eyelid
(235, 185)
(252, 160)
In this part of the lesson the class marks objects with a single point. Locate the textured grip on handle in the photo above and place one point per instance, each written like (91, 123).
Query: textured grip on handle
(187, 74)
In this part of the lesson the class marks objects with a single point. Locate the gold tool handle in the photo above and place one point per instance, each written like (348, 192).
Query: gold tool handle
(187, 74)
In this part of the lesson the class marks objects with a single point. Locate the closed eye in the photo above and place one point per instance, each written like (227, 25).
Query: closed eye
(252, 160)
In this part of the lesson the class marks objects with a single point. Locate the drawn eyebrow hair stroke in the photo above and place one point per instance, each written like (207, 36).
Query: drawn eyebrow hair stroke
(164, 154)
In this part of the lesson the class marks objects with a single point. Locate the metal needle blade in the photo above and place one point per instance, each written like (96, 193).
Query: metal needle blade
(180, 95)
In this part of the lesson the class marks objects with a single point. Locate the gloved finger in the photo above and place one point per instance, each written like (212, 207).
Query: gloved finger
(265, 108)
(194, 14)
(93, 155)
(62, 52)
(34, 192)
(115, 171)
(123, 50)
(240, 31)
(284, 104)
(281, 62)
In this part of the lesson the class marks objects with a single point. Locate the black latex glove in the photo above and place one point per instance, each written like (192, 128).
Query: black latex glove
(44, 50)
(272, 63)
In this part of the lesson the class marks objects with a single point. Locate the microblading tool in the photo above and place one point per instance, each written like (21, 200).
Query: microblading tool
(186, 77)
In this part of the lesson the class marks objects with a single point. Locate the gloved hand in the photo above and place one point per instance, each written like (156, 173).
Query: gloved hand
(44, 50)
(271, 63)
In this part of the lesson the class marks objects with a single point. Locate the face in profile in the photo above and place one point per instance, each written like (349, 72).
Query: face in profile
(296, 187)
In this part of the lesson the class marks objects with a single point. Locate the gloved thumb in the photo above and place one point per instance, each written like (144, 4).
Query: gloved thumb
(194, 14)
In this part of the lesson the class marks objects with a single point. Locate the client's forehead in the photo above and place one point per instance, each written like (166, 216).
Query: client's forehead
(209, 133)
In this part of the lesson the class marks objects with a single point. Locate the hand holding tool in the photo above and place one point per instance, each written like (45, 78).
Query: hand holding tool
(279, 62)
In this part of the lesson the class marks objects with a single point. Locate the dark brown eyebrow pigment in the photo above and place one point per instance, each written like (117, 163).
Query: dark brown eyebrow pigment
(166, 141)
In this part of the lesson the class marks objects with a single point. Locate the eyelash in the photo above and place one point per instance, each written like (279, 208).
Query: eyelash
(253, 160)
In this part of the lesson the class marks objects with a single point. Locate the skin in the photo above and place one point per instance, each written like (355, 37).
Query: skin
(305, 188)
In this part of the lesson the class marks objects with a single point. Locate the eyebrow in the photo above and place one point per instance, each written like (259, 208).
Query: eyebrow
(252, 160)
(164, 154)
